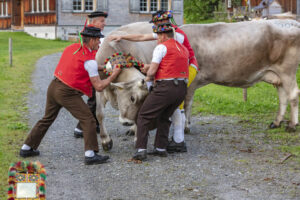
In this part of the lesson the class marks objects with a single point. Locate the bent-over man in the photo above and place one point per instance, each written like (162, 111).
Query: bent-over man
(76, 74)
(96, 19)
(169, 70)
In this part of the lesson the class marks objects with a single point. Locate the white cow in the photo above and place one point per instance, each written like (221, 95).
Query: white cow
(129, 90)
(231, 54)
(242, 54)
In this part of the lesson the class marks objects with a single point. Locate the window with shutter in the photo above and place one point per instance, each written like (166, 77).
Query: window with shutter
(88, 5)
(164, 4)
(143, 5)
(153, 5)
(83, 5)
(77, 5)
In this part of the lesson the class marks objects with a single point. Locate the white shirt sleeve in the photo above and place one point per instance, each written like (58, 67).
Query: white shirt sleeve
(159, 52)
(180, 38)
(154, 35)
(91, 66)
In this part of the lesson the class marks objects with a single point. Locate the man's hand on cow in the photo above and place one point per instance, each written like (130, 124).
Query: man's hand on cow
(116, 38)
(116, 70)
(145, 68)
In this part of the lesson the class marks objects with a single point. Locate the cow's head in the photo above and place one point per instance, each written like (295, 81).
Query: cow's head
(130, 97)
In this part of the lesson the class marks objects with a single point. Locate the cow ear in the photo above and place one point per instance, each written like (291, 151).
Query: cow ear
(120, 85)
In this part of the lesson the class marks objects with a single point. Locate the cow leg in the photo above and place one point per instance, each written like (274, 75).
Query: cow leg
(291, 88)
(106, 141)
(188, 101)
(294, 100)
(134, 129)
(283, 102)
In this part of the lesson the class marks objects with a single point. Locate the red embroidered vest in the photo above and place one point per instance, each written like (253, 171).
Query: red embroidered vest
(175, 63)
(186, 43)
(70, 69)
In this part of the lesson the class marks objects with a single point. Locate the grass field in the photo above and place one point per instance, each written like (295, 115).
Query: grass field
(15, 83)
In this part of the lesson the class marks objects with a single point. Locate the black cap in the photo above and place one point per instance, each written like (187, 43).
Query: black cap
(91, 31)
(98, 14)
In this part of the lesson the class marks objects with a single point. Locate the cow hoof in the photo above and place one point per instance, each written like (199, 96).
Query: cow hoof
(272, 125)
(187, 130)
(290, 129)
(107, 146)
(130, 133)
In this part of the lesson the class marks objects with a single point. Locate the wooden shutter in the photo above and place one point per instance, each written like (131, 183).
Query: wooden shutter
(66, 5)
(177, 6)
(102, 5)
(134, 6)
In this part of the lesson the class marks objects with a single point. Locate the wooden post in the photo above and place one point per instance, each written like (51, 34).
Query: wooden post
(245, 94)
(10, 51)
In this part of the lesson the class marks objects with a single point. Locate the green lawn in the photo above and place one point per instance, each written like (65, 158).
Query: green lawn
(15, 84)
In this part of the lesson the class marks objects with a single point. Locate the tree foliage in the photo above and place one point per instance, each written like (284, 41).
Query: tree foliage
(236, 3)
(197, 10)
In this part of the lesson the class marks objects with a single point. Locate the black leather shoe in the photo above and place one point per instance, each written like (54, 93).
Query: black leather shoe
(176, 147)
(78, 134)
(142, 155)
(96, 159)
(29, 153)
(155, 152)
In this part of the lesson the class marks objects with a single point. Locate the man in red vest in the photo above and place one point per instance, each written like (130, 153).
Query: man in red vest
(177, 143)
(96, 19)
(76, 74)
(169, 70)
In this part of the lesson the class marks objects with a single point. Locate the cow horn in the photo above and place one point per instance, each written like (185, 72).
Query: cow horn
(118, 85)
(141, 83)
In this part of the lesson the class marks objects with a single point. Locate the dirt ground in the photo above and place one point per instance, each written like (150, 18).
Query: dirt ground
(226, 159)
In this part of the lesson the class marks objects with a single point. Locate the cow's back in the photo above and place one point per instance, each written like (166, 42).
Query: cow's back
(238, 54)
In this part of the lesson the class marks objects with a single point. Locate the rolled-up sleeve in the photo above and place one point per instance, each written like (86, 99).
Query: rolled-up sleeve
(159, 52)
(91, 66)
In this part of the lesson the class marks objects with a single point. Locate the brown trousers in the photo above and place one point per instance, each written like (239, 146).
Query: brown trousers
(60, 95)
(91, 102)
(159, 105)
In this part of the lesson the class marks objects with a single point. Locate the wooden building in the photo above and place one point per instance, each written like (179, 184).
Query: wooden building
(19, 13)
(287, 5)
(63, 18)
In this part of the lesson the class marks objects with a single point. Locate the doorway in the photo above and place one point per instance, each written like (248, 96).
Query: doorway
(17, 13)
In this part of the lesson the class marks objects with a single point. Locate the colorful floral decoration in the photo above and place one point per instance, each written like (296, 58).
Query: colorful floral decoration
(159, 17)
(32, 168)
(121, 60)
(164, 27)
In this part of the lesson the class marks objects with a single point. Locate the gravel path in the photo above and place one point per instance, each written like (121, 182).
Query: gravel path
(225, 159)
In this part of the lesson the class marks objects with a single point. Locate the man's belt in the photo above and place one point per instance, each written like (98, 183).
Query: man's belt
(175, 80)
